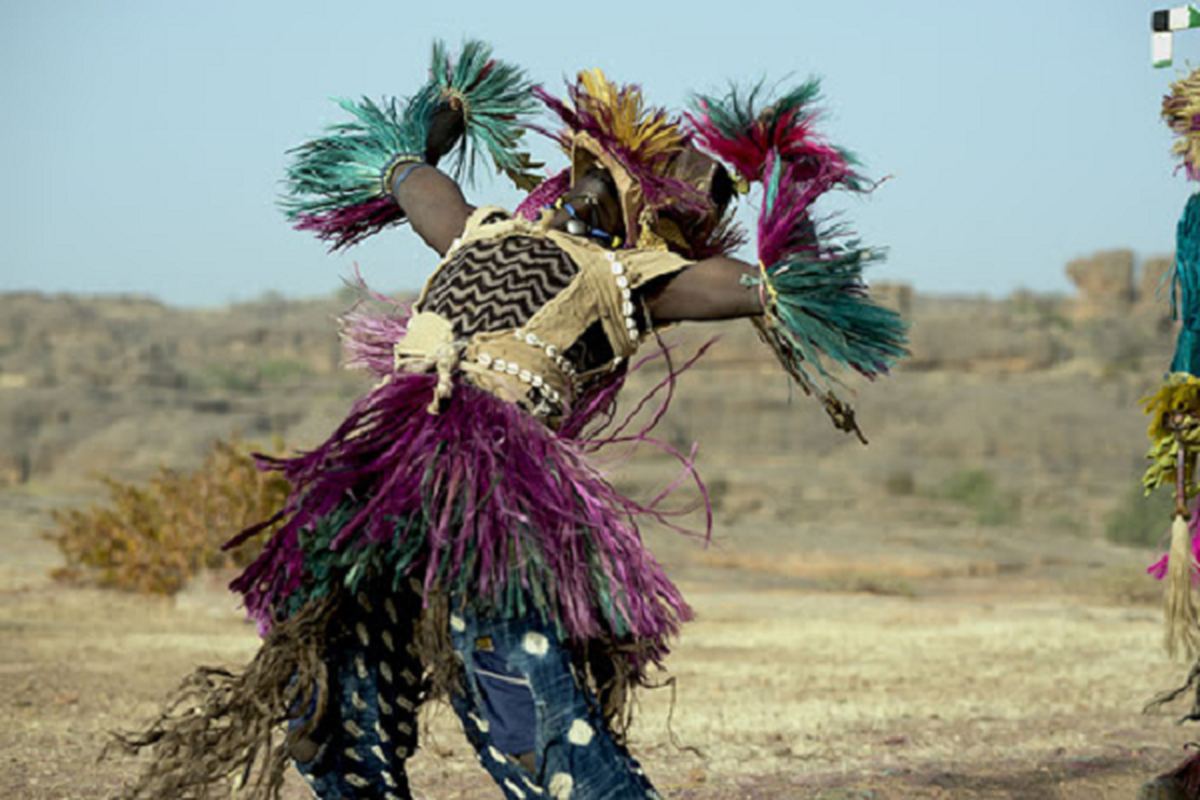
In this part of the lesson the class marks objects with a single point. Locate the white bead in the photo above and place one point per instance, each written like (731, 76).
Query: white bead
(622, 281)
(554, 395)
(525, 375)
(531, 339)
(512, 368)
(617, 268)
(485, 360)
(627, 308)
(499, 364)
(551, 350)
(611, 256)
(626, 294)
(630, 323)
(538, 381)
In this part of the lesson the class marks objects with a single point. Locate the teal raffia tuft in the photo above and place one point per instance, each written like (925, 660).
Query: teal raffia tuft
(817, 308)
(1185, 289)
(337, 186)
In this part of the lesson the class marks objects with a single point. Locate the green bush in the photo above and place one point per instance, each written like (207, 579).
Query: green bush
(224, 378)
(976, 489)
(1138, 520)
(283, 370)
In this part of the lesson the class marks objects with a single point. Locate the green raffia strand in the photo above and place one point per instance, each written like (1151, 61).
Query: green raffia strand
(529, 586)
(814, 313)
(345, 167)
(496, 100)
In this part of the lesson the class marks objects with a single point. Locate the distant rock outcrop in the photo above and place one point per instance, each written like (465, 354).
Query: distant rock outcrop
(1105, 283)
(1108, 289)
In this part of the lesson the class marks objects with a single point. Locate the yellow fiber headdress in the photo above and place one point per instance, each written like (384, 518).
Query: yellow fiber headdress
(671, 195)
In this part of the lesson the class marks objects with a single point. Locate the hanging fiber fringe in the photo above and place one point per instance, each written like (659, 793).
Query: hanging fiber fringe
(1182, 635)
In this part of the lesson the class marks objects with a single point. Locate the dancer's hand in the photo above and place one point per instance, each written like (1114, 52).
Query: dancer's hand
(444, 132)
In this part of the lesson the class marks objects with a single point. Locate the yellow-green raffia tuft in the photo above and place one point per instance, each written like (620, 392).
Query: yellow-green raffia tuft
(1181, 112)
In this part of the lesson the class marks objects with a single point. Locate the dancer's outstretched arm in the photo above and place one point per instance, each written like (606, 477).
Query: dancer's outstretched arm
(709, 290)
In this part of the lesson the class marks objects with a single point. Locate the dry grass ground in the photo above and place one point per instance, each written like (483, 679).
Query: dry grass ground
(1000, 685)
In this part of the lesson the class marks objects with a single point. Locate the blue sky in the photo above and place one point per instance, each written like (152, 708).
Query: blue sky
(142, 143)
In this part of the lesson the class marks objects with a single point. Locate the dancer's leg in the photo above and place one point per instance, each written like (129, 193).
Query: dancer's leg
(516, 672)
(370, 725)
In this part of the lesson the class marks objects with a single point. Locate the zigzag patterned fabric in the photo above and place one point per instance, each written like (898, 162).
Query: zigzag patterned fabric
(498, 285)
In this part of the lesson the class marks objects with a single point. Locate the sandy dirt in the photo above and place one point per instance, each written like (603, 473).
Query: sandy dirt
(1013, 684)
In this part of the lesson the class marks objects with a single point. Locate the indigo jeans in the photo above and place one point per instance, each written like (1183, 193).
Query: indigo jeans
(521, 695)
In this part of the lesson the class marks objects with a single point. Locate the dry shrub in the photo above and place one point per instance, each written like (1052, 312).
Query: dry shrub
(152, 537)
(900, 483)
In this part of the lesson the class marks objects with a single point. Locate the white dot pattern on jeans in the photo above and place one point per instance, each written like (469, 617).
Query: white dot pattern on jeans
(580, 733)
(536, 644)
(561, 786)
